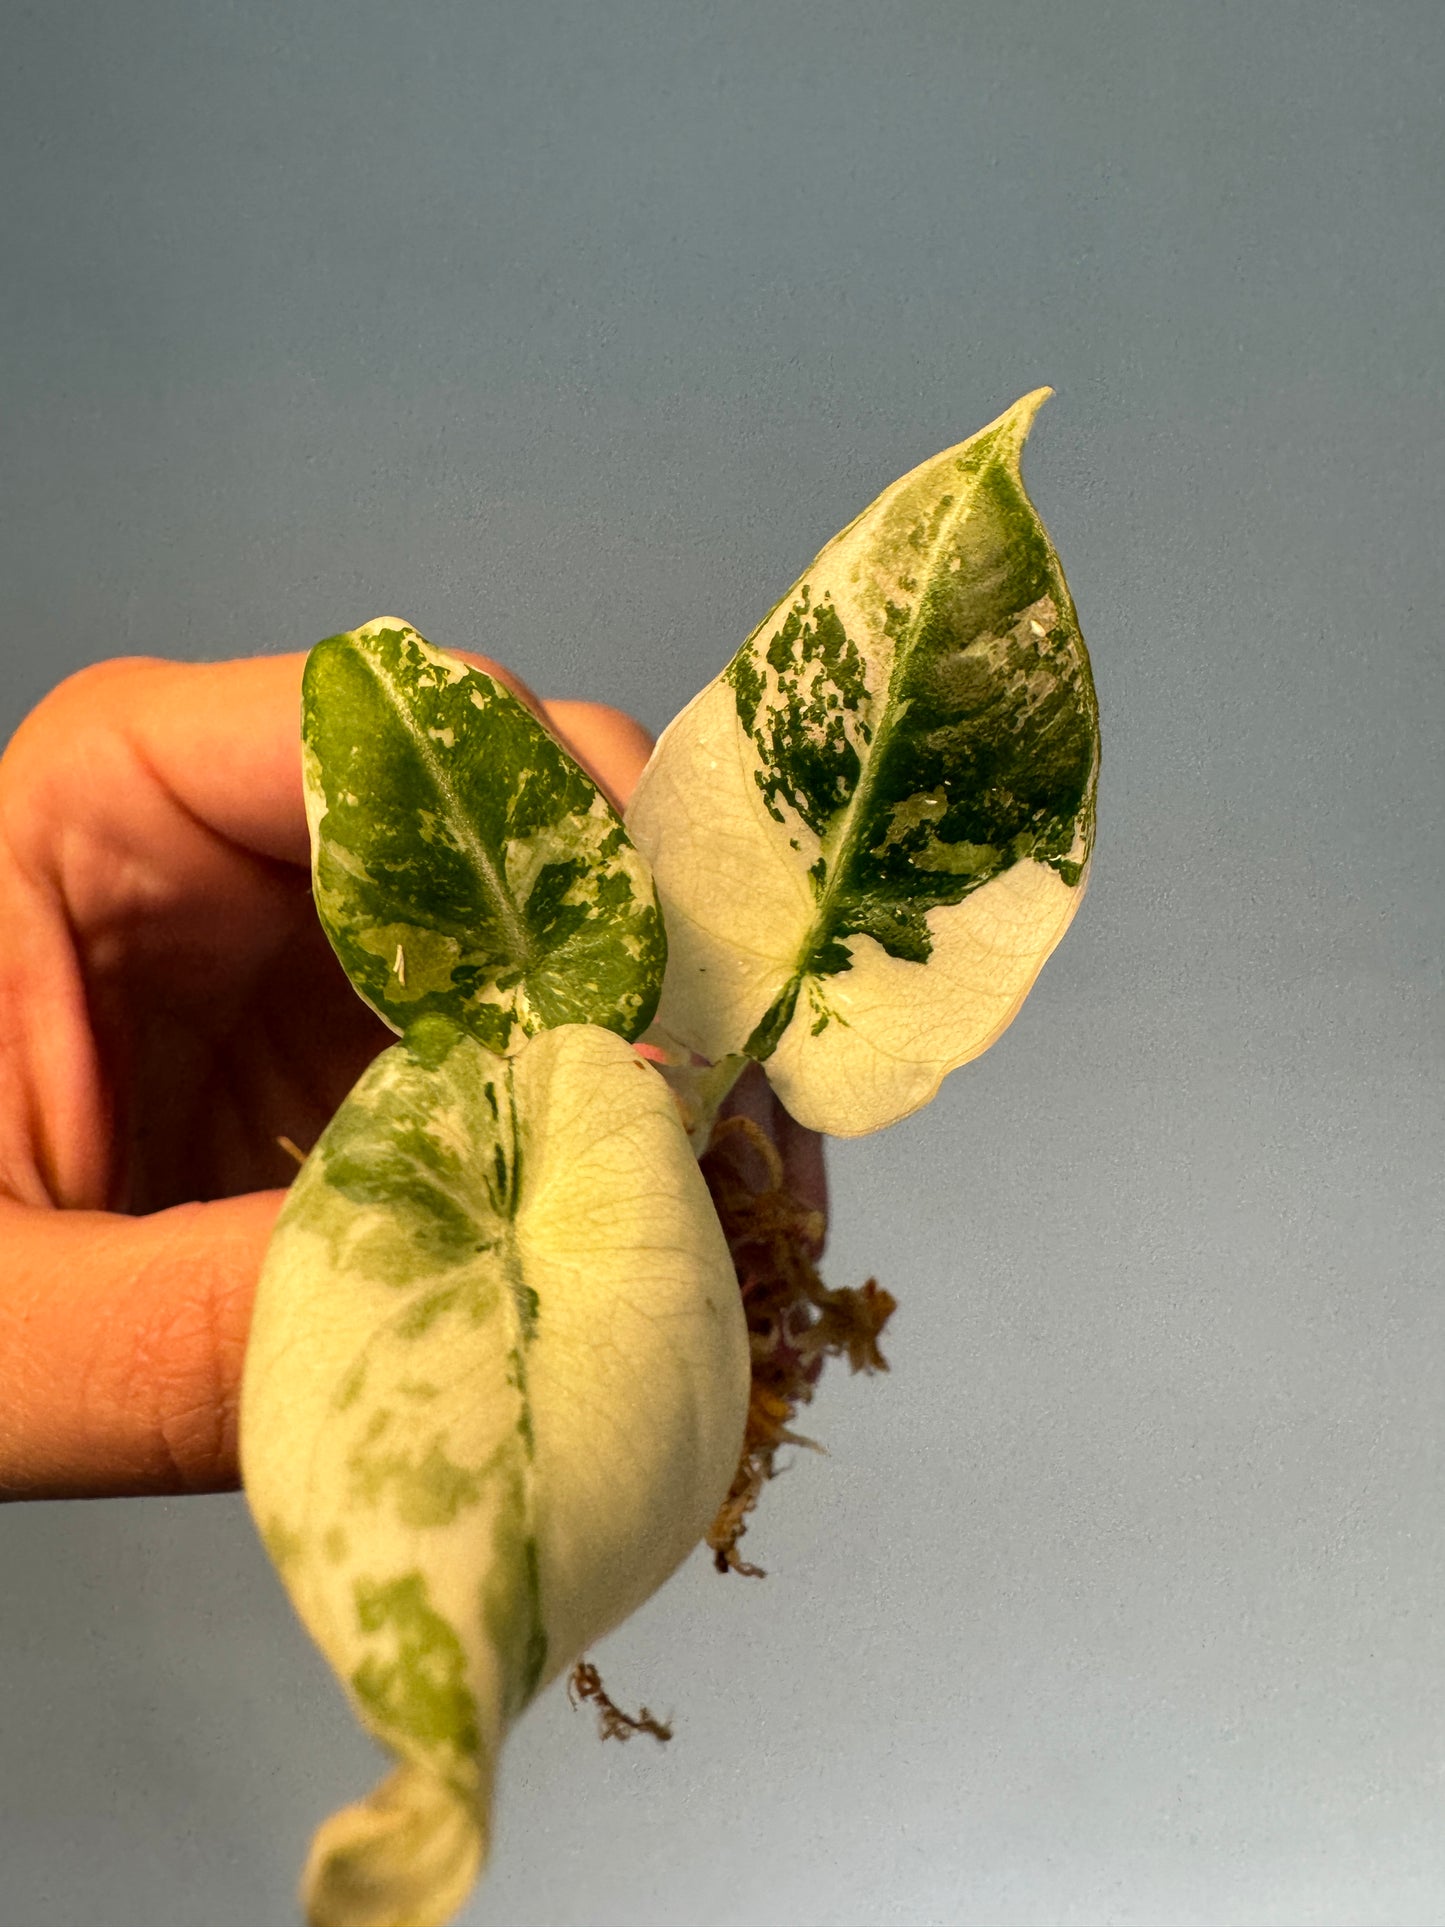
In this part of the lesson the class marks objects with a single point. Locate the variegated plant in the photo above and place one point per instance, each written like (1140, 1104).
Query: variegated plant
(871, 830)
(499, 1369)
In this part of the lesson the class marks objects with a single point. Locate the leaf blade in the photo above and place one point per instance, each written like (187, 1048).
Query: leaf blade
(463, 864)
(914, 722)
(495, 1390)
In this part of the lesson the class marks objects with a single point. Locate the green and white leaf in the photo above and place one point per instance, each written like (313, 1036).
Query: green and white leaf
(871, 830)
(495, 1392)
(464, 866)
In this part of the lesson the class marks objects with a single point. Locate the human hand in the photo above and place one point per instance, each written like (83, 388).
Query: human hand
(169, 1010)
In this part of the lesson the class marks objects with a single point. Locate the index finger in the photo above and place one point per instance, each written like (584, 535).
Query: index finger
(223, 739)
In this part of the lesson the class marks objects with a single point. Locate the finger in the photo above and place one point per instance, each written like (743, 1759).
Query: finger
(800, 1149)
(121, 1345)
(223, 740)
(611, 746)
(802, 1155)
(220, 740)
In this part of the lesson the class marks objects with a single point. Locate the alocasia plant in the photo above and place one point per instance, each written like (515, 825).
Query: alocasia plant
(499, 1376)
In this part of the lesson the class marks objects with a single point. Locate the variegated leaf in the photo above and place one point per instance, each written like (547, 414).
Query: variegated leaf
(495, 1391)
(463, 864)
(871, 830)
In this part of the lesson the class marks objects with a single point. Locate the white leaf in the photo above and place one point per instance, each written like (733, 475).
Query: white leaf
(495, 1392)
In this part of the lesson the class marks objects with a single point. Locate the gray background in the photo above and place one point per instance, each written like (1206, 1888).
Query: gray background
(571, 332)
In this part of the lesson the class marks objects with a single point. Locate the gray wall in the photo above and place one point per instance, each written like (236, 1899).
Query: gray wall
(570, 332)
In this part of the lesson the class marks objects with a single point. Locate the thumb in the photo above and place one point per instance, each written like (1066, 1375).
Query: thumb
(121, 1345)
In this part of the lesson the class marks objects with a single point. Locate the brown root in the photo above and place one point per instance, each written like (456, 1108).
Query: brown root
(612, 1722)
(795, 1321)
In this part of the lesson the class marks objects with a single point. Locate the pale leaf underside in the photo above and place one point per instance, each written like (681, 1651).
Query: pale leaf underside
(494, 1394)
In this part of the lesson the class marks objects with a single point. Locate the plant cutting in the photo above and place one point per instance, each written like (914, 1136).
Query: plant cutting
(501, 1379)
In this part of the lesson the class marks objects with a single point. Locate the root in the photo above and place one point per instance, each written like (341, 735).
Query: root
(612, 1722)
(795, 1321)
(795, 1324)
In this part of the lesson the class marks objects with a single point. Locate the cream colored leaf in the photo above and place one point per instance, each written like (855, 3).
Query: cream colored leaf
(495, 1392)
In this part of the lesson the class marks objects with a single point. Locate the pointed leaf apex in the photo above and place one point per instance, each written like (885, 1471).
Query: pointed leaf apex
(1014, 423)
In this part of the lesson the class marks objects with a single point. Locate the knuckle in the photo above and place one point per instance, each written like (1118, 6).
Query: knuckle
(180, 1383)
(79, 692)
(73, 729)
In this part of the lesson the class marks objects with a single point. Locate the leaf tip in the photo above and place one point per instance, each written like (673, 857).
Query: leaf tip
(381, 625)
(345, 645)
(1013, 425)
(407, 1856)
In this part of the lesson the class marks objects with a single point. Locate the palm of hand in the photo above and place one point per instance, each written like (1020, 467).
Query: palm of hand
(223, 1024)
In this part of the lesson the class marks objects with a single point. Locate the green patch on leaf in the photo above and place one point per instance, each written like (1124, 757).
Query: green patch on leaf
(427, 1488)
(512, 1598)
(281, 1542)
(463, 864)
(415, 1684)
(805, 715)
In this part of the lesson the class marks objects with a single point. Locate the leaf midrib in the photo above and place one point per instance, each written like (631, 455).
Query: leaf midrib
(893, 713)
(473, 848)
(511, 1313)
